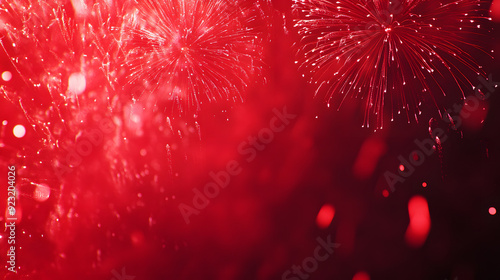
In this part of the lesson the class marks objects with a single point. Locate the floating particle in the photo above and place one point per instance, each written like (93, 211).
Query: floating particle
(420, 222)
(6, 76)
(325, 216)
(77, 83)
(401, 167)
(385, 193)
(19, 131)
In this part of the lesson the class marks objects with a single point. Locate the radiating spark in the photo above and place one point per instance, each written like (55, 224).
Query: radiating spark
(394, 53)
(194, 51)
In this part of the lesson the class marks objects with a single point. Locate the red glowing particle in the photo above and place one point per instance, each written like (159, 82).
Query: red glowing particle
(361, 276)
(492, 211)
(325, 216)
(424, 184)
(385, 193)
(420, 222)
(402, 167)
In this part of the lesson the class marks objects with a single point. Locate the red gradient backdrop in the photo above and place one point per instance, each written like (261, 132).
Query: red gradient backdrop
(103, 172)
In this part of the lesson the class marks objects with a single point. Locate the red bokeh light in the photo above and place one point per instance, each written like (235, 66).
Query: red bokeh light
(325, 216)
(361, 276)
(420, 222)
(385, 193)
(495, 10)
(401, 167)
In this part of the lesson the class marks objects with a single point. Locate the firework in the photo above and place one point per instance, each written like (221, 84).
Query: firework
(68, 127)
(65, 60)
(189, 52)
(389, 52)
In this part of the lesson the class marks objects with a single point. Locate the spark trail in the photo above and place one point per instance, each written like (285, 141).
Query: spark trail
(189, 52)
(389, 52)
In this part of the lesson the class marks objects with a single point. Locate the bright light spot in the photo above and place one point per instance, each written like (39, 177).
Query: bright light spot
(79, 7)
(325, 216)
(361, 276)
(420, 222)
(6, 76)
(492, 211)
(5, 122)
(402, 167)
(77, 83)
(385, 193)
(134, 118)
(424, 184)
(19, 131)
(41, 192)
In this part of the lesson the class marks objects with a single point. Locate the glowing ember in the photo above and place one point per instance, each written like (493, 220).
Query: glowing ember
(401, 167)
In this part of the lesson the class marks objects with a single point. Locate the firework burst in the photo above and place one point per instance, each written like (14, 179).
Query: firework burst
(194, 51)
(63, 86)
(59, 82)
(396, 53)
